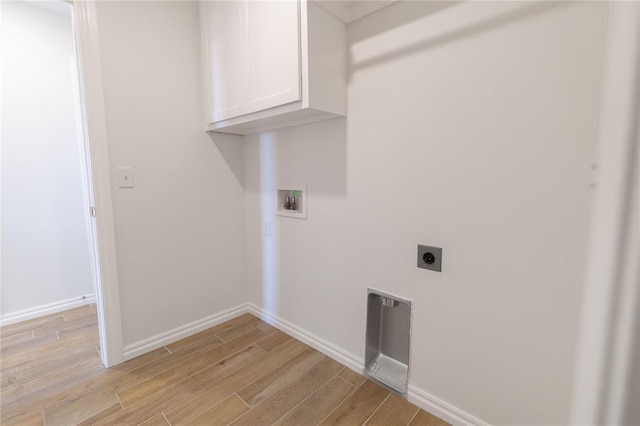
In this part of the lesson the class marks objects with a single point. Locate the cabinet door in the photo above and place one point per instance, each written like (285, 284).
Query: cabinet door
(274, 53)
(225, 34)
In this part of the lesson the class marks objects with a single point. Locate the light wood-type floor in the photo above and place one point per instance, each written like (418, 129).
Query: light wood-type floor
(241, 372)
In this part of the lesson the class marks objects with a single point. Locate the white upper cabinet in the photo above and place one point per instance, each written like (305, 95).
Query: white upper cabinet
(225, 32)
(271, 64)
(274, 53)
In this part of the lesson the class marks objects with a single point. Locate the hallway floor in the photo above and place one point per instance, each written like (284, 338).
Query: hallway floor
(243, 372)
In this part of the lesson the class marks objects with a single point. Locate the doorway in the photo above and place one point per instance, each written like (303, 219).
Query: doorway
(49, 252)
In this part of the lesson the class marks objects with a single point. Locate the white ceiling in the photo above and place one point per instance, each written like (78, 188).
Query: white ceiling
(350, 10)
(56, 6)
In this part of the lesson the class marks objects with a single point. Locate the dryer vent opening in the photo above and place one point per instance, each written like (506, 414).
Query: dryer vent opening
(388, 340)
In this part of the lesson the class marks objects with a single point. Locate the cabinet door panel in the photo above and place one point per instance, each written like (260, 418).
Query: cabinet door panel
(274, 53)
(226, 48)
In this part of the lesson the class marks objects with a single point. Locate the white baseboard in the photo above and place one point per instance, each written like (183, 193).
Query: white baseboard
(417, 396)
(162, 339)
(329, 349)
(442, 409)
(48, 309)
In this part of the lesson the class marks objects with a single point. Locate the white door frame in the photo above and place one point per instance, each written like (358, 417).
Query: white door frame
(610, 303)
(102, 235)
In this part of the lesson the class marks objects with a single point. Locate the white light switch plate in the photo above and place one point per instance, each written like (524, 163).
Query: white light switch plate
(125, 177)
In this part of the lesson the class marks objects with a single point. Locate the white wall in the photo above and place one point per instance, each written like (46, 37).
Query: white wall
(472, 127)
(45, 246)
(631, 408)
(180, 231)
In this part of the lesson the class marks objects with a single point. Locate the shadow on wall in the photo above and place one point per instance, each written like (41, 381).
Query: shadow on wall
(313, 154)
(227, 145)
(406, 12)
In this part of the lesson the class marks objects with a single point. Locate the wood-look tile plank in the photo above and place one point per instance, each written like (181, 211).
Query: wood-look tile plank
(65, 410)
(425, 419)
(31, 324)
(140, 361)
(31, 418)
(262, 388)
(143, 390)
(82, 311)
(106, 403)
(39, 398)
(186, 389)
(223, 413)
(74, 386)
(48, 378)
(208, 333)
(357, 408)
(43, 347)
(79, 361)
(78, 407)
(197, 345)
(97, 398)
(240, 329)
(157, 420)
(212, 372)
(14, 339)
(393, 411)
(319, 404)
(352, 377)
(24, 373)
(25, 346)
(88, 330)
(206, 397)
(269, 329)
(66, 326)
(208, 347)
(106, 413)
(274, 340)
(277, 405)
(86, 402)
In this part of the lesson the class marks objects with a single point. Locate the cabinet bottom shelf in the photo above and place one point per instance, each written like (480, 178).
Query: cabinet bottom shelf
(272, 119)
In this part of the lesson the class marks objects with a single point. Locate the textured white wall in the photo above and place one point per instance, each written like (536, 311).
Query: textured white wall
(45, 246)
(470, 126)
(180, 231)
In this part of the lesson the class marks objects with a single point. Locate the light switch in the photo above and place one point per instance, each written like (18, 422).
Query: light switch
(266, 227)
(125, 177)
